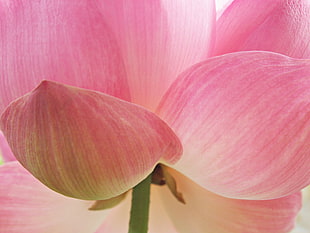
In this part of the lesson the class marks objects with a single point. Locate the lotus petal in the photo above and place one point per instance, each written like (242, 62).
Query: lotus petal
(86, 144)
(244, 122)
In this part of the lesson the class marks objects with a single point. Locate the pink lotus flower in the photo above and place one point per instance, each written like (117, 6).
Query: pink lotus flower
(134, 84)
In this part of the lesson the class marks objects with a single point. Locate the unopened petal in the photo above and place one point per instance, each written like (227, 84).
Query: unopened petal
(29, 206)
(86, 144)
(158, 40)
(62, 40)
(281, 26)
(244, 121)
(206, 212)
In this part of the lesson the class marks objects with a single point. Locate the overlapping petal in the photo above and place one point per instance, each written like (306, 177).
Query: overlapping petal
(158, 40)
(5, 150)
(221, 6)
(281, 26)
(244, 121)
(29, 206)
(86, 144)
(62, 40)
(207, 212)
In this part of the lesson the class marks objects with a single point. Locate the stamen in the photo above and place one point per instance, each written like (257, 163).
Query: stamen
(161, 176)
(158, 176)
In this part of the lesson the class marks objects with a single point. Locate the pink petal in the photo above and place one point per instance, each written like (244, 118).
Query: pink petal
(207, 212)
(244, 121)
(66, 41)
(118, 219)
(28, 206)
(5, 150)
(158, 40)
(281, 26)
(221, 6)
(85, 144)
(303, 224)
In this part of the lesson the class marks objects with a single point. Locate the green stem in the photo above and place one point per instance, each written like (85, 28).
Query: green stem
(140, 204)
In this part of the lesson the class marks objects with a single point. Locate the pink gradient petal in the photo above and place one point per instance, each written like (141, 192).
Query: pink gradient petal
(207, 212)
(28, 206)
(303, 224)
(86, 144)
(244, 122)
(221, 6)
(158, 40)
(62, 40)
(281, 26)
(159, 221)
(5, 150)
